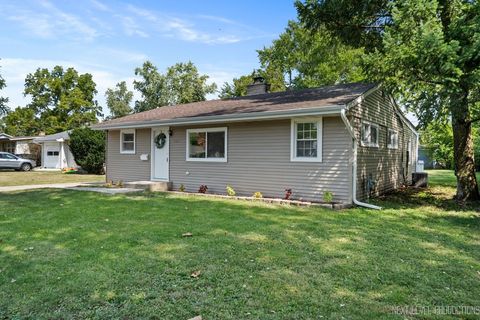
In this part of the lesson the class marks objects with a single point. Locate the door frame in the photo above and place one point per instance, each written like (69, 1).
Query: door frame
(152, 153)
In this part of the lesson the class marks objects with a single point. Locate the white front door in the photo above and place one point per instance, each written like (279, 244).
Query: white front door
(160, 154)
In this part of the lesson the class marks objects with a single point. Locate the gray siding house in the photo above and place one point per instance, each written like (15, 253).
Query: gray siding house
(349, 139)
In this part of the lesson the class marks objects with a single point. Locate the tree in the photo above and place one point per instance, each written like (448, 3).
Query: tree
(88, 149)
(428, 56)
(437, 136)
(311, 59)
(60, 100)
(180, 84)
(118, 100)
(3, 101)
(21, 122)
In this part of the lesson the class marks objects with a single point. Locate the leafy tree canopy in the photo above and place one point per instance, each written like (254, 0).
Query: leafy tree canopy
(88, 149)
(238, 87)
(60, 100)
(3, 101)
(426, 52)
(119, 100)
(180, 84)
(312, 59)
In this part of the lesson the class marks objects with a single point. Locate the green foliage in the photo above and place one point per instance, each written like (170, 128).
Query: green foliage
(3, 101)
(119, 100)
(181, 188)
(88, 149)
(60, 100)
(438, 137)
(21, 122)
(230, 191)
(311, 59)
(180, 84)
(327, 196)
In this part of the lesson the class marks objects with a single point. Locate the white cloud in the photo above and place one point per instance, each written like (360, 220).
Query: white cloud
(100, 6)
(51, 22)
(172, 26)
(131, 28)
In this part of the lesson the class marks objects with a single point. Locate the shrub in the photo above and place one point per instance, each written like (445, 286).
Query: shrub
(120, 183)
(88, 149)
(230, 191)
(327, 196)
(181, 188)
(258, 195)
(288, 194)
(203, 189)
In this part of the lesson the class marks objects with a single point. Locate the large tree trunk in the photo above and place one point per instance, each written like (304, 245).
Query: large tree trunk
(467, 187)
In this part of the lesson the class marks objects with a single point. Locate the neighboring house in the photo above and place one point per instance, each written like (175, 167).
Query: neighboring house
(21, 146)
(55, 151)
(349, 139)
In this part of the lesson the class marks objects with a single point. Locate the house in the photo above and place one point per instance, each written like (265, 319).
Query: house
(56, 153)
(349, 139)
(21, 146)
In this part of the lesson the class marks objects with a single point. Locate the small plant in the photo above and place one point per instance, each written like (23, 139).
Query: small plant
(230, 191)
(203, 189)
(109, 184)
(120, 183)
(328, 196)
(288, 194)
(181, 188)
(258, 195)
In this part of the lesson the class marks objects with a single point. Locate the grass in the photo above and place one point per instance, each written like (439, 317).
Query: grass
(67, 254)
(444, 177)
(14, 178)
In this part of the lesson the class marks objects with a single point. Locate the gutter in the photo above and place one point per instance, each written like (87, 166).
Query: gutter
(354, 165)
(253, 116)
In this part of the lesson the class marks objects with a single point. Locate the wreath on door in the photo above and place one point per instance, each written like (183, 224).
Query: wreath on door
(160, 140)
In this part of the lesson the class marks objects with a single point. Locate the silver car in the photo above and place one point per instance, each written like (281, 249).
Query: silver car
(10, 161)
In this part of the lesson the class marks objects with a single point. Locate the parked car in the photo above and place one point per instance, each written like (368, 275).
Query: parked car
(11, 161)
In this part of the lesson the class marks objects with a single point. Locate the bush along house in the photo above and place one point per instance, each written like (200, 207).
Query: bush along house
(347, 141)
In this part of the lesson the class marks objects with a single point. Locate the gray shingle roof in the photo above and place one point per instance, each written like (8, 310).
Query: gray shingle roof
(278, 101)
(65, 135)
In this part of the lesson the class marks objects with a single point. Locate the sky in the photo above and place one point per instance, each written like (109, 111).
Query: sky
(109, 39)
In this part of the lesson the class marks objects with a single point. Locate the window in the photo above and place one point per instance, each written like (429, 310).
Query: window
(52, 153)
(392, 139)
(8, 156)
(306, 140)
(127, 141)
(369, 134)
(207, 144)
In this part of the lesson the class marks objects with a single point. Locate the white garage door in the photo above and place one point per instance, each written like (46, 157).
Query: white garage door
(52, 155)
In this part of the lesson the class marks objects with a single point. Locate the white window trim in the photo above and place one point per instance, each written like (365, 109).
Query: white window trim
(389, 145)
(206, 130)
(134, 141)
(293, 139)
(369, 144)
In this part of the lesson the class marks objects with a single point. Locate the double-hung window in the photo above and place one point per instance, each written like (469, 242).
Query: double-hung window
(208, 144)
(127, 141)
(392, 139)
(369, 134)
(306, 140)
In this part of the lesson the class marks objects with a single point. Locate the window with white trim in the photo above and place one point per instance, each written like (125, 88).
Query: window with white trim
(306, 140)
(209, 144)
(392, 139)
(369, 134)
(127, 141)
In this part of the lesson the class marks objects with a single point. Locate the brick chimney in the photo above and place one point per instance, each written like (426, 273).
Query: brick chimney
(259, 86)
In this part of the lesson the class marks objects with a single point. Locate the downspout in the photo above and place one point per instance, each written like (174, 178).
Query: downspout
(354, 177)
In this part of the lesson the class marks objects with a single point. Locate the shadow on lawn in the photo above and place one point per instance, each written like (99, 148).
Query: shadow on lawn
(299, 262)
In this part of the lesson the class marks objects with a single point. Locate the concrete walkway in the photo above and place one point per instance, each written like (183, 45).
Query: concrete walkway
(80, 186)
(43, 186)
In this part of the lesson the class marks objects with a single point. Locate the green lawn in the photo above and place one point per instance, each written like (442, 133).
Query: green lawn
(444, 177)
(14, 178)
(68, 254)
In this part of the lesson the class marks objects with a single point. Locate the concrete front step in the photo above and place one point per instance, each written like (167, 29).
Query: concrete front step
(149, 185)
